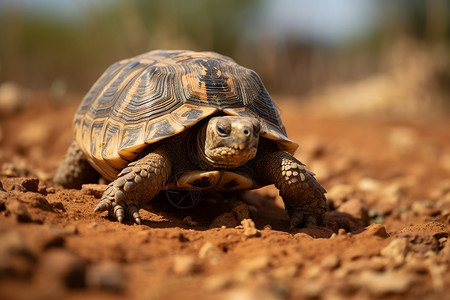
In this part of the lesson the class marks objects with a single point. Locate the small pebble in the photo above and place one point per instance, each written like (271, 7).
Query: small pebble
(19, 188)
(189, 222)
(185, 264)
(210, 252)
(18, 210)
(107, 276)
(225, 220)
(63, 266)
(249, 228)
(331, 262)
(383, 283)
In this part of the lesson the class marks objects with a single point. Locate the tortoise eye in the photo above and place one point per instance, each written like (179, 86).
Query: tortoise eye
(222, 130)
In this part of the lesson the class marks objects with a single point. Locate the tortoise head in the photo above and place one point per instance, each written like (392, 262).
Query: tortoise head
(229, 141)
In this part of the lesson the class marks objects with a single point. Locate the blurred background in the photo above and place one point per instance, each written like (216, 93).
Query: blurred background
(352, 57)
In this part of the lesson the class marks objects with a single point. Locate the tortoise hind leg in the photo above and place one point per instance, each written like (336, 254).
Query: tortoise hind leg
(136, 184)
(75, 169)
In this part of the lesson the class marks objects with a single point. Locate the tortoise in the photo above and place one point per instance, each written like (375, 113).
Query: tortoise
(184, 120)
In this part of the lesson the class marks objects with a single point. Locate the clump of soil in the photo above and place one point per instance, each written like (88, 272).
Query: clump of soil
(385, 235)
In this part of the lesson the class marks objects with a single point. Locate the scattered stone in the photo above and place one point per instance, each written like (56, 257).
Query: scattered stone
(438, 273)
(31, 184)
(63, 266)
(50, 190)
(396, 250)
(313, 289)
(389, 198)
(59, 206)
(240, 212)
(356, 266)
(382, 283)
(19, 188)
(267, 227)
(189, 222)
(226, 219)
(253, 265)
(217, 283)
(12, 98)
(185, 264)
(210, 253)
(95, 190)
(16, 258)
(420, 242)
(37, 201)
(44, 176)
(376, 217)
(369, 185)
(338, 194)
(107, 276)
(22, 184)
(341, 231)
(249, 228)
(378, 263)
(14, 170)
(331, 262)
(425, 207)
(46, 237)
(71, 229)
(93, 225)
(376, 230)
(17, 209)
(357, 209)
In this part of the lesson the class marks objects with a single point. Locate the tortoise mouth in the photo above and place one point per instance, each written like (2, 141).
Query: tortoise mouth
(230, 151)
(230, 156)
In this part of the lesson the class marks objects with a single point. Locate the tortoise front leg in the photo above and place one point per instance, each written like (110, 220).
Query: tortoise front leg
(303, 196)
(136, 184)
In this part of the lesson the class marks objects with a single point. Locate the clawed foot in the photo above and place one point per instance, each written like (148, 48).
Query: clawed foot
(300, 219)
(119, 211)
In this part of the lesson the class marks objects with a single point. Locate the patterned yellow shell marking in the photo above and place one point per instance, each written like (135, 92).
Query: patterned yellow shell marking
(144, 99)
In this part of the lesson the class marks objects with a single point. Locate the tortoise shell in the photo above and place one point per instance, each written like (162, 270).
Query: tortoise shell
(144, 99)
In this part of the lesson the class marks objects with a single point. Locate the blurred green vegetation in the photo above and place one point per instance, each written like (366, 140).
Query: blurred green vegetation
(41, 46)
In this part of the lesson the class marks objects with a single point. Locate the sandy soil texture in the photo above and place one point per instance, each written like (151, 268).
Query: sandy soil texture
(385, 235)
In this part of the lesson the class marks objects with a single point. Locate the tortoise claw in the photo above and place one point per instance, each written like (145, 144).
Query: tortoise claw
(133, 212)
(296, 220)
(102, 206)
(119, 212)
(310, 221)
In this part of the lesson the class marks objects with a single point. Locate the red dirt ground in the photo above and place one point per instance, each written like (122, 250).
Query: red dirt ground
(385, 235)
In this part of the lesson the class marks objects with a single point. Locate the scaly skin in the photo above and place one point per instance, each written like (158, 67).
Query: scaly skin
(75, 169)
(303, 196)
(136, 184)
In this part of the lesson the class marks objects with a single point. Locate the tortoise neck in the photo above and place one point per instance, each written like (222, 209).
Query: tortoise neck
(197, 144)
